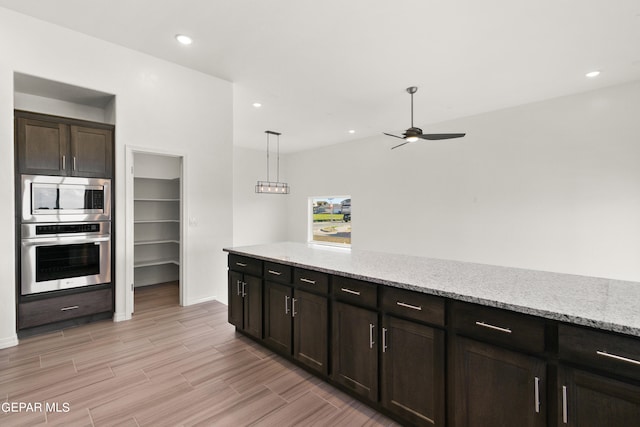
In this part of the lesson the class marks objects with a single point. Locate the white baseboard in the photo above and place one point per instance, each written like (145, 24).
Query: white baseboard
(200, 300)
(121, 317)
(10, 341)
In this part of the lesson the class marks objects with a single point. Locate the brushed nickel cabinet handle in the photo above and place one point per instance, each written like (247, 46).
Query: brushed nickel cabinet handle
(293, 307)
(384, 340)
(616, 357)
(276, 273)
(64, 162)
(74, 162)
(286, 304)
(412, 307)
(238, 283)
(371, 342)
(350, 291)
(565, 418)
(241, 264)
(72, 307)
(311, 282)
(244, 294)
(495, 328)
(537, 394)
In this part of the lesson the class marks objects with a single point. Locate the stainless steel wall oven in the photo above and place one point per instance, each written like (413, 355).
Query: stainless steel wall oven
(65, 233)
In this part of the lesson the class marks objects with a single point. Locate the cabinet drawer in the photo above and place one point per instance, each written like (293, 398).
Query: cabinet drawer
(498, 326)
(310, 280)
(352, 290)
(601, 350)
(413, 305)
(64, 308)
(246, 265)
(277, 272)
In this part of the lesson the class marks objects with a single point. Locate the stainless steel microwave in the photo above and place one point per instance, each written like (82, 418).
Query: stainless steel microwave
(64, 198)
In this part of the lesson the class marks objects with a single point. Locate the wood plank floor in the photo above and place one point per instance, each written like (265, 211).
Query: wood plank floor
(168, 366)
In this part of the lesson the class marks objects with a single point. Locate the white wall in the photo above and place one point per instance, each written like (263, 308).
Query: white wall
(159, 105)
(551, 186)
(257, 218)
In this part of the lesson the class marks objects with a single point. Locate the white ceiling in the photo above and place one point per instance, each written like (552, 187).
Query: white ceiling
(323, 67)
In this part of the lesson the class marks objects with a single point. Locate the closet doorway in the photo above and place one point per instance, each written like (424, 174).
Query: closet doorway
(157, 184)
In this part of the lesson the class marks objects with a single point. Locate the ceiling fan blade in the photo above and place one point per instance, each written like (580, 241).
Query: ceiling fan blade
(395, 136)
(434, 136)
(400, 145)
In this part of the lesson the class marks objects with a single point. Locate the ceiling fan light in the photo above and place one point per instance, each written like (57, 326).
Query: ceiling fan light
(411, 138)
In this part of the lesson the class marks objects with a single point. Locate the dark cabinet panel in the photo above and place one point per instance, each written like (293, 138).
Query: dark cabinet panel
(42, 147)
(67, 307)
(497, 387)
(48, 145)
(278, 301)
(590, 400)
(253, 306)
(310, 325)
(91, 152)
(355, 349)
(236, 299)
(413, 371)
(245, 302)
(514, 330)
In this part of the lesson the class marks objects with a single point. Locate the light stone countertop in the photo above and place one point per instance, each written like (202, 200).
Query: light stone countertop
(607, 304)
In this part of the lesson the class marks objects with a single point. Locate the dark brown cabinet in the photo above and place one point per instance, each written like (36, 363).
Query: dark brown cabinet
(310, 328)
(278, 302)
(598, 379)
(57, 309)
(412, 380)
(590, 400)
(413, 371)
(295, 320)
(355, 349)
(432, 361)
(245, 302)
(497, 387)
(499, 374)
(50, 145)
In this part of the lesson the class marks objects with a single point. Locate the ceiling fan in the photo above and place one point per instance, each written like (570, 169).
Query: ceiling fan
(413, 133)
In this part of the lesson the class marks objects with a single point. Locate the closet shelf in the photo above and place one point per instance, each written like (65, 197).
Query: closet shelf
(155, 242)
(154, 200)
(151, 221)
(152, 262)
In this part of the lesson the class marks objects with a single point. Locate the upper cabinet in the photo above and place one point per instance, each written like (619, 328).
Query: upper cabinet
(49, 145)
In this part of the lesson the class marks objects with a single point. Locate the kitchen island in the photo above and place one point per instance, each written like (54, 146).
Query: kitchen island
(510, 346)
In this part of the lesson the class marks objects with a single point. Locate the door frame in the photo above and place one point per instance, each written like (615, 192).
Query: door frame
(130, 151)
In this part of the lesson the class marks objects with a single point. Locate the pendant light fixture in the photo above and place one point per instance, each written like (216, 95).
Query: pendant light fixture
(269, 187)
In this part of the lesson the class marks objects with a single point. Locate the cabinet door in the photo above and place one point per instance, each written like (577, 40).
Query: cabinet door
(412, 381)
(497, 387)
(310, 326)
(253, 306)
(42, 147)
(91, 152)
(236, 301)
(590, 400)
(355, 349)
(277, 316)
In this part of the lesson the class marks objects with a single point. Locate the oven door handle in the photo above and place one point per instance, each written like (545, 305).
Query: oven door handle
(56, 241)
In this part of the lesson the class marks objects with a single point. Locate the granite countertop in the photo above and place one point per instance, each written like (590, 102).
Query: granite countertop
(612, 305)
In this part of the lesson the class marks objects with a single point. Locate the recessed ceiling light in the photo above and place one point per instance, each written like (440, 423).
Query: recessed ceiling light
(593, 74)
(257, 104)
(184, 39)
(352, 131)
